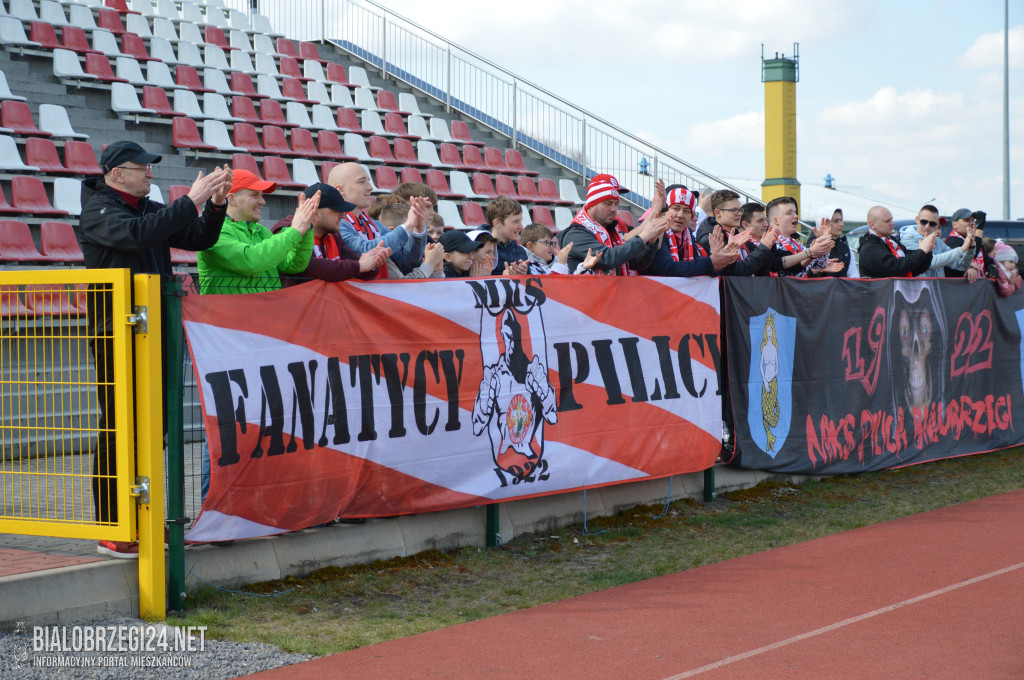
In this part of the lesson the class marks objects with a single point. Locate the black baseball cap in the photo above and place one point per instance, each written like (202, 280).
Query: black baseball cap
(125, 152)
(329, 197)
(456, 240)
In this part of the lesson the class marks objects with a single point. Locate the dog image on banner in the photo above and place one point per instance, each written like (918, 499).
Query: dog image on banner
(770, 382)
(515, 397)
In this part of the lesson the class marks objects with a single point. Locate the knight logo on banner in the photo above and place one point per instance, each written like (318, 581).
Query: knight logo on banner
(515, 397)
(770, 386)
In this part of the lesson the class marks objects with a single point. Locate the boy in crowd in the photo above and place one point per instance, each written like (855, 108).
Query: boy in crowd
(435, 228)
(459, 253)
(541, 247)
(395, 213)
(505, 218)
(483, 262)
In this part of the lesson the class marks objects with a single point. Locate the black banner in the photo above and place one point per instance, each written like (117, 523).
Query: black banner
(835, 376)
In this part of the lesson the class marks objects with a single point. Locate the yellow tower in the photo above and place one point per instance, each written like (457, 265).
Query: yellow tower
(780, 76)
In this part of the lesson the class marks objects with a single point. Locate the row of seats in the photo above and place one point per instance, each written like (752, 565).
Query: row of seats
(57, 243)
(36, 300)
(41, 156)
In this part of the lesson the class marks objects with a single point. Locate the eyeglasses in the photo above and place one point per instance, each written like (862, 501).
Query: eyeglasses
(734, 211)
(553, 242)
(128, 167)
(927, 223)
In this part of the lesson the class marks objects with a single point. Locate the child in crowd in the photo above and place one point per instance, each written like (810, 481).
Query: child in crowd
(435, 228)
(1007, 279)
(483, 264)
(505, 217)
(459, 253)
(395, 213)
(382, 202)
(545, 258)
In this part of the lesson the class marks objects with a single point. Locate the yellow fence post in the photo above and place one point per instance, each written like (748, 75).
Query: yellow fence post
(149, 430)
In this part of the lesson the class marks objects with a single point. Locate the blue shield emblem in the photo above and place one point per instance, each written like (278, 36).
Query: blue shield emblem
(770, 382)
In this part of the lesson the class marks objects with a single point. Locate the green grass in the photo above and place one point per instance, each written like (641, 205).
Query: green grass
(336, 609)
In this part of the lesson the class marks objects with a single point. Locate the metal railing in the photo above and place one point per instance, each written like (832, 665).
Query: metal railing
(527, 114)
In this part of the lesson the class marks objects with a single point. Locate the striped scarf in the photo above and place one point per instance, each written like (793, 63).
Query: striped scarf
(365, 227)
(608, 238)
(691, 249)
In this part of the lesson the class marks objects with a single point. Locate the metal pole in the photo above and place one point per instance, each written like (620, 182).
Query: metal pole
(709, 484)
(448, 82)
(492, 539)
(515, 118)
(176, 519)
(384, 46)
(1006, 109)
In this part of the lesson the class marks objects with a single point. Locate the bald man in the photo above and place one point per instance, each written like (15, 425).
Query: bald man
(882, 256)
(361, 233)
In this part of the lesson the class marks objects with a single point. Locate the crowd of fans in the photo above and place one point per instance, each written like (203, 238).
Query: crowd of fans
(339, 231)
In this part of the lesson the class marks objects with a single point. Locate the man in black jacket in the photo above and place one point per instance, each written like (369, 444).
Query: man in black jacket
(882, 256)
(120, 228)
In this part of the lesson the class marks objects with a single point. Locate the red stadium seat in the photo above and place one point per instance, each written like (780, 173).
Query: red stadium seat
(246, 137)
(325, 170)
(155, 98)
(244, 161)
(287, 48)
(482, 185)
(242, 83)
(386, 100)
(188, 77)
(473, 215)
(11, 304)
(549, 193)
(59, 242)
(393, 123)
(275, 142)
(290, 69)
(98, 65)
(109, 20)
(514, 162)
(626, 218)
(16, 243)
(504, 185)
(472, 159)
(17, 116)
(460, 133)
(291, 88)
(73, 38)
(215, 36)
(119, 6)
(543, 215)
(380, 150)
(528, 190)
(330, 146)
(133, 46)
(242, 107)
(385, 178)
(405, 154)
(271, 113)
(348, 120)
(41, 152)
(307, 50)
(449, 155)
(495, 162)
(29, 196)
(185, 135)
(6, 207)
(336, 74)
(43, 33)
(80, 158)
(179, 256)
(411, 175)
(177, 191)
(275, 169)
(50, 299)
(439, 183)
(303, 144)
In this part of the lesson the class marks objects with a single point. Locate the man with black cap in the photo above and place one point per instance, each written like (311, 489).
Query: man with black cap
(964, 221)
(459, 252)
(247, 257)
(121, 228)
(595, 230)
(332, 260)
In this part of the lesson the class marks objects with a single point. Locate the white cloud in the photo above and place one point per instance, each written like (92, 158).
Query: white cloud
(987, 51)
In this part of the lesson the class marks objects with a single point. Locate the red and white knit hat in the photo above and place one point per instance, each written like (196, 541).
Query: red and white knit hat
(602, 188)
(681, 195)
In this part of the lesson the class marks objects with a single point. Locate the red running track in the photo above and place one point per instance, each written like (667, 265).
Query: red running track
(935, 595)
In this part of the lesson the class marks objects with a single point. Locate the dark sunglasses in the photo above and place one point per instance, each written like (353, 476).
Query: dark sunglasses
(928, 223)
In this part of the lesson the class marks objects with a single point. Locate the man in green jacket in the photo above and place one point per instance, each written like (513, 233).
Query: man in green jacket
(247, 257)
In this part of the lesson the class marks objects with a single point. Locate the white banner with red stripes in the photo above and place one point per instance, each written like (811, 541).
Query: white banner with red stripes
(352, 400)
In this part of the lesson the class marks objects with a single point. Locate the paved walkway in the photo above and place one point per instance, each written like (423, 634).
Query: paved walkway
(936, 595)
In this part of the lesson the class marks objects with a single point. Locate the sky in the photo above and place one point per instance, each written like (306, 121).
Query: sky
(896, 98)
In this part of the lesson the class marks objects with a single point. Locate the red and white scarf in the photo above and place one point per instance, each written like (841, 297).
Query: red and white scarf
(895, 248)
(979, 255)
(326, 247)
(366, 228)
(684, 241)
(608, 238)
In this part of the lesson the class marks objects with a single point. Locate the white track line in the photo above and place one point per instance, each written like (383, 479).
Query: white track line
(841, 624)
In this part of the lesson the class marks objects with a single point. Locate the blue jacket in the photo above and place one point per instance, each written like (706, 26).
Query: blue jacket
(942, 255)
(506, 253)
(406, 249)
